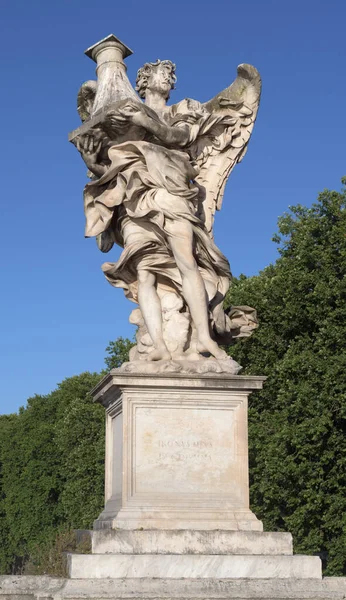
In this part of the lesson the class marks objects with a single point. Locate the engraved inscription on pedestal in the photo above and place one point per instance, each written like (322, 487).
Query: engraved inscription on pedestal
(186, 450)
(176, 450)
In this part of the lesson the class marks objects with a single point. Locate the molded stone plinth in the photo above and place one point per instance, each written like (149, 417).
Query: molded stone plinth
(177, 451)
(190, 541)
(21, 587)
(199, 566)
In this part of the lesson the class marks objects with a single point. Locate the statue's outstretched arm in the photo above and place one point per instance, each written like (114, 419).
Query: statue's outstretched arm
(172, 136)
(142, 116)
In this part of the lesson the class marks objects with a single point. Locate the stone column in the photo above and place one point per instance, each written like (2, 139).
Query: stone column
(176, 451)
(112, 81)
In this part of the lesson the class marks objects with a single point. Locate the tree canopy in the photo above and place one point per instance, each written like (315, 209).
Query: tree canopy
(297, 424)
(51, 457)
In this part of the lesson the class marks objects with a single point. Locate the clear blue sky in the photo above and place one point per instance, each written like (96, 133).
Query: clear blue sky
(57, 311)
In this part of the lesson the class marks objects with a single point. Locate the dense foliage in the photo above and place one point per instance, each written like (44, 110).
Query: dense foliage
(298, 423)
(52, 456)
(52, 451)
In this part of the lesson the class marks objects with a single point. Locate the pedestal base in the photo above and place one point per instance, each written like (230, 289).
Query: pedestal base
(192, 554)
(191, 542)
(177, 494)
(170, 519)
(176, 451)
(21, 587)
(199, 566)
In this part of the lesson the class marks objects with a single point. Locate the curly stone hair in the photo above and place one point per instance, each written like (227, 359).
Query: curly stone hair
(144, 72)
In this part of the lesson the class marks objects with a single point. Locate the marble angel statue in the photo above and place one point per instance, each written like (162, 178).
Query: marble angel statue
(158, 174)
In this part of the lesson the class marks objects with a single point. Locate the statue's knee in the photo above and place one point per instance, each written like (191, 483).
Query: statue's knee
(142, 276)
(180, 229)
(145, 277)
(186, 265)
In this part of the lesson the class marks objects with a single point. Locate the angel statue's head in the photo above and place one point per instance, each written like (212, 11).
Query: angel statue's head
(157, 76)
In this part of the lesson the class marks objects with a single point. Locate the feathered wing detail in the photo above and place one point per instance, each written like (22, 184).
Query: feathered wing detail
(86, 98)
(222, 145)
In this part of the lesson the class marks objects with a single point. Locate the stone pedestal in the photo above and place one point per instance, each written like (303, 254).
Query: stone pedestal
(177, 452)
(177, 489)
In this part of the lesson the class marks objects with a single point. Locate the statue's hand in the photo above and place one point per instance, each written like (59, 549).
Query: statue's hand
(89, 149)
(130, 108)
(129, 111)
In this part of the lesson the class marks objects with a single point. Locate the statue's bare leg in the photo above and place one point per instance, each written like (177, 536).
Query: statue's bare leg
(150, 306)
(194, 292)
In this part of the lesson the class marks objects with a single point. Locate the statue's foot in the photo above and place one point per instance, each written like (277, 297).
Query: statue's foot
(160, 353)
(191, 356)
(212, 347)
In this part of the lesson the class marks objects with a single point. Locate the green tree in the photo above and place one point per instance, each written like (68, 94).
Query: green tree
(45, 449)
(5, 550)
(118, 352)
(298, 422)
(80, 439)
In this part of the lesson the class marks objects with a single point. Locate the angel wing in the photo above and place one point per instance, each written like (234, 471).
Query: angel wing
(224, 145)
(86, 98)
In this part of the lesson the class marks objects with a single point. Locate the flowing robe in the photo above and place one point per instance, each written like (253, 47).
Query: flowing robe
(147, 187)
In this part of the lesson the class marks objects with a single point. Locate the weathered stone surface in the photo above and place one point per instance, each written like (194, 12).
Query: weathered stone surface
(190, 542)
(32, 588)
(177, 566)
(23, 587)
(176, 452)
(202, 366)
